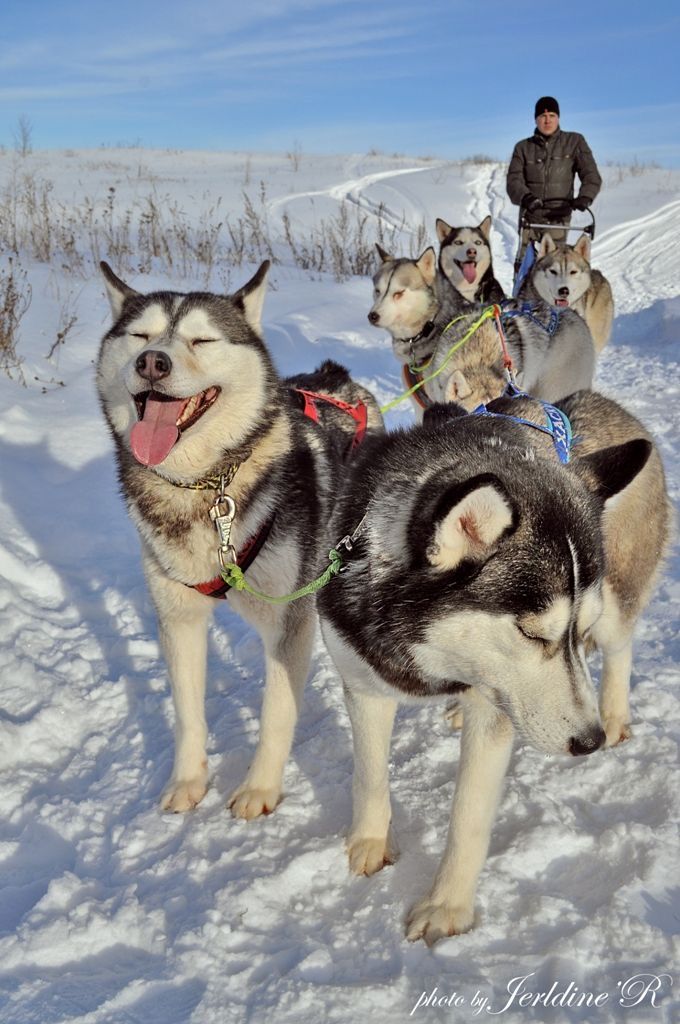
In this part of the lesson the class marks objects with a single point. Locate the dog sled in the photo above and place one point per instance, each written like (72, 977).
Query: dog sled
(525, 261)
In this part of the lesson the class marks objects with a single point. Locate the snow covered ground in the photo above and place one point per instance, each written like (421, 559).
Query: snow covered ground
(111, 912)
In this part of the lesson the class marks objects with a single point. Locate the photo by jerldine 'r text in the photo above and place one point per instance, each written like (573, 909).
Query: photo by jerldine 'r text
(636, 991)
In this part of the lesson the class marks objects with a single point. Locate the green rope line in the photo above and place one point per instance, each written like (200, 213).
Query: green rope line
(233, 577)
(424, 366)
(486, 315)
(428, 362)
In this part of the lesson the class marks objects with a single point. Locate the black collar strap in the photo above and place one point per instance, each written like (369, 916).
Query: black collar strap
(424, 332)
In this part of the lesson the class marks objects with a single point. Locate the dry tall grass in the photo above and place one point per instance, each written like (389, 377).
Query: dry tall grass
(154, 234)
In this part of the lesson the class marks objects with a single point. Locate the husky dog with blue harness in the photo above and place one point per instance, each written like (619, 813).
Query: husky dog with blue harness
(562, 276)
(445, 357)
(488, 553)
(552, 354)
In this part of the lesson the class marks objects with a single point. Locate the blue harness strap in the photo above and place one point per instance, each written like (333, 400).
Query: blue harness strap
(524, 268)
(557, 422)
(527, 310)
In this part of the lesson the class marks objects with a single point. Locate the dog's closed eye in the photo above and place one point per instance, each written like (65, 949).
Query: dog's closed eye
(532, 636)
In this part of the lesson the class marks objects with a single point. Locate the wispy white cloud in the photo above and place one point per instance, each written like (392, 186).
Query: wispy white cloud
(444, 78)
(259, 56)
(134, 50)
(56, 93)
(224, 58)
(23, 56)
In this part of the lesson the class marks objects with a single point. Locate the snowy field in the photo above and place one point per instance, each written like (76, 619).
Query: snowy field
(111, 912)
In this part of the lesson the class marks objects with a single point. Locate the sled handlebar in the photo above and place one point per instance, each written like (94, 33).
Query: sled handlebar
(526, 222)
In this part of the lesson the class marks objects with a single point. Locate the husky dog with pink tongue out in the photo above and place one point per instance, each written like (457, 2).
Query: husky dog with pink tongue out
(465, 259)
(220, 460)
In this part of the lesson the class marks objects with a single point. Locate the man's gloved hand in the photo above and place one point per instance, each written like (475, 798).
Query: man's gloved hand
(580, 203)
(530, 202)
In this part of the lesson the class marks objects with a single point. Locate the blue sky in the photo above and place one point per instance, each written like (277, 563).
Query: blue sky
(447, 78)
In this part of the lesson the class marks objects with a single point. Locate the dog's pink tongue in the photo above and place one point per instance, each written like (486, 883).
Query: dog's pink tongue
(470, 272)
(152, 438)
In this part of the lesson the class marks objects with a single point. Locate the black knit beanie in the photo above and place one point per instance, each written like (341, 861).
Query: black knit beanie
(548, 103)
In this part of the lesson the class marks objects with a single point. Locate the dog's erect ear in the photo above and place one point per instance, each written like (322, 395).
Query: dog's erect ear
(384, 256)
(116, 289)
(469, 521)
(485, 227)
(427, 265)
(547, 245)
(443, 229)
(610, 470)
(250, 298)
(582, 247)
(457, 387)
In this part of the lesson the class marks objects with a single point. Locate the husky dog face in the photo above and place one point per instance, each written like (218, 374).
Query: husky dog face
(465, 255)
(561, 274)
(182, 377)
(404, 299)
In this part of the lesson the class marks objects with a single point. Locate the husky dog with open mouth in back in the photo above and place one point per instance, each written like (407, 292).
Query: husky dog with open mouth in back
(465, 259)
(562, 276)
(552, 350)
(221, 462)
(483, 567)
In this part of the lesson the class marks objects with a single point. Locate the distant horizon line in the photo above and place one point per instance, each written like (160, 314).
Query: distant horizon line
(299, 153)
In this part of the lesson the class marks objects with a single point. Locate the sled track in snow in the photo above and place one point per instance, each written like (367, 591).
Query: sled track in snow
(353, 191)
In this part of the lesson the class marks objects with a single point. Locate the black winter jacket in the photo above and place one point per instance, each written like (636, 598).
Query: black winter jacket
(545, 165)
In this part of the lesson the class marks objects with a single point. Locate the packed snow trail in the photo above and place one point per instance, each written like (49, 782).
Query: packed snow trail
(354, 191)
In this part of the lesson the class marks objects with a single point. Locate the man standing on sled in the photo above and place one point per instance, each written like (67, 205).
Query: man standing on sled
(542, 171)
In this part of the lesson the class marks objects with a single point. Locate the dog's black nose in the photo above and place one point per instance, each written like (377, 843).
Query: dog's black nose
(153, 365)
(563, 292)
(373, 317)
(587, 743)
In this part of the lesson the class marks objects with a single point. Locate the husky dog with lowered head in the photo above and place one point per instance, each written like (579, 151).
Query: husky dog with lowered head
(465, 259)
(562, 276)
(485, 572)
(218, 463)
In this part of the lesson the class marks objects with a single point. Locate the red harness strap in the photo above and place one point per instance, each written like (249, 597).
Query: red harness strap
(507, 358)
(245, 558)
(358, 412)
(410, 378)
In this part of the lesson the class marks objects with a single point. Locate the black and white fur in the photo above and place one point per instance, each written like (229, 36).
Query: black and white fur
(549, 365)
(288, 468)
(482, 569)
(426, 316)
(562, 276)
(465, 259)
